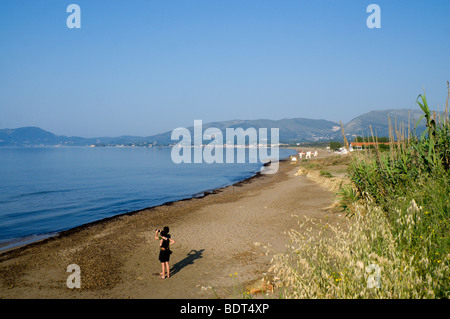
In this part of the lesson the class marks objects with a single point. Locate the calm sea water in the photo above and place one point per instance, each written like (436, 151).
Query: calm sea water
(47, 190)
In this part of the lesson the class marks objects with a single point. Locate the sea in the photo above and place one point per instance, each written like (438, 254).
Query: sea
(46, 190)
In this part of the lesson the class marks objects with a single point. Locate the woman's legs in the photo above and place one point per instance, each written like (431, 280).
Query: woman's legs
(167, 269)
(163, 270)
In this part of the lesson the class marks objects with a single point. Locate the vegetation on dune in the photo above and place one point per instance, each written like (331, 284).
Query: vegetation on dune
(395, 243)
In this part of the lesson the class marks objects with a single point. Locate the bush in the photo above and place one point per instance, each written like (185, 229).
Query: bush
(335, 145)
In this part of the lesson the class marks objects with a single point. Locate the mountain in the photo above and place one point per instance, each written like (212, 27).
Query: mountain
(291, 130)
(35, 136)
(379, 120)
(27, 136)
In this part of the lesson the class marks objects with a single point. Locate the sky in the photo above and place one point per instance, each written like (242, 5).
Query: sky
(142, 67)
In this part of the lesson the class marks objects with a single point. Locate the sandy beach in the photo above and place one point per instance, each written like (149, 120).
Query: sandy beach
(222, 234)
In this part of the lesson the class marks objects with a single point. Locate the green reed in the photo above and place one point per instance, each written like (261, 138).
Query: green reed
(398, 207)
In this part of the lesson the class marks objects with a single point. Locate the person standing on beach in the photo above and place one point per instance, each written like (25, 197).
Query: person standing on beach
(164, 253)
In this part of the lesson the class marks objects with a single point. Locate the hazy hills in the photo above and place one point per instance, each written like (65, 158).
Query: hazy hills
(379, 122)
(291, 130)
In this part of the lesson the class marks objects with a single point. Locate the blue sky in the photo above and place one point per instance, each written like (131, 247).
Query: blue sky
(145, 67)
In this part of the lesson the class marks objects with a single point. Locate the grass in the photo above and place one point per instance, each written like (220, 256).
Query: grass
(326, 174)
(397, 242)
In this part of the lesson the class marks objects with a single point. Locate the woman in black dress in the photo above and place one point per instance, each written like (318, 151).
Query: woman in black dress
(164, 250)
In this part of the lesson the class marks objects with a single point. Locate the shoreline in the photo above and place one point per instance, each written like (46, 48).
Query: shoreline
(23, 242)
(233, 232)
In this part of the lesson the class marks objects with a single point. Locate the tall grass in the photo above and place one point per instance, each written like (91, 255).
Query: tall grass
(400, 230)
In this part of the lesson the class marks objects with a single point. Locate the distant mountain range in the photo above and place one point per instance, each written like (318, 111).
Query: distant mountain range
(294, 130)
(379, 120)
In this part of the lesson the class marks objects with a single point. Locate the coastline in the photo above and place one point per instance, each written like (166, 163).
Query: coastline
(20, 243)
(216, 236)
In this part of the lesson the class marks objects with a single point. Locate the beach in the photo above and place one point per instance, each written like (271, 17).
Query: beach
(223, 238)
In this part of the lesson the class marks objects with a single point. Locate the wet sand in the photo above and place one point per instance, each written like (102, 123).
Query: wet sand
(216, 235)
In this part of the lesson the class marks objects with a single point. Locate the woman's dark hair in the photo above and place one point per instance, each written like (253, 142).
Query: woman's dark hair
(165, 231)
